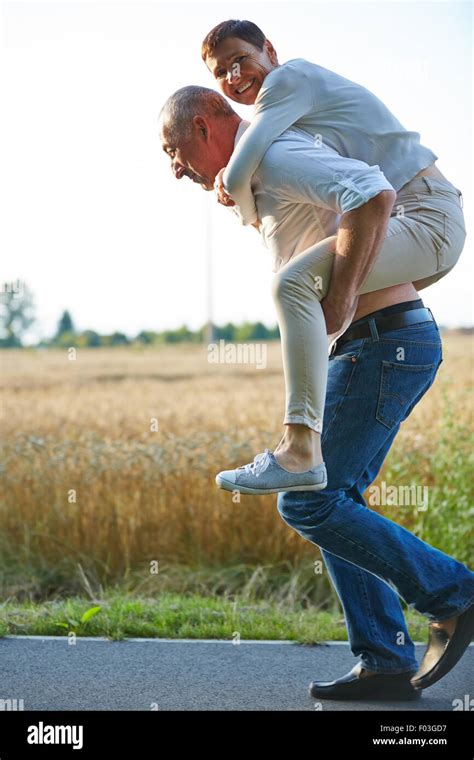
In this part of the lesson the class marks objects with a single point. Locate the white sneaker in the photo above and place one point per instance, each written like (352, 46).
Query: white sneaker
(265, 475)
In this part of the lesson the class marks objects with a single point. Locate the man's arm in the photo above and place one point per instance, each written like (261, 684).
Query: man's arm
(359, 239)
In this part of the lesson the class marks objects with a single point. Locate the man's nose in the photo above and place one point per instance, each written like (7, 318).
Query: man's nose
(177, 169)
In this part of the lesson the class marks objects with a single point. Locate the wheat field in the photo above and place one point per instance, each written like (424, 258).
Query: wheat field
(109, 459)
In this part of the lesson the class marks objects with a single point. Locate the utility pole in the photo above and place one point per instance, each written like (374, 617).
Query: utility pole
(208, 238)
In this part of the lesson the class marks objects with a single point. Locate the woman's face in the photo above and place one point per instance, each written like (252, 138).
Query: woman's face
(240, 68)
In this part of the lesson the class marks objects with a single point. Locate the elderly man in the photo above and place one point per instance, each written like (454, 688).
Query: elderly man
(371, 560)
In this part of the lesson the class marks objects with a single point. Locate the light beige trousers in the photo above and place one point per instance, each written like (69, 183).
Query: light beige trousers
(424, 239)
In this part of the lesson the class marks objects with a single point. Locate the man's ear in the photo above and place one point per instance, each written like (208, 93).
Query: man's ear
(201, 127)
(271, 52)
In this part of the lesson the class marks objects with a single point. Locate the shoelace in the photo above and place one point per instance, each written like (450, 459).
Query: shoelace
(258, 465)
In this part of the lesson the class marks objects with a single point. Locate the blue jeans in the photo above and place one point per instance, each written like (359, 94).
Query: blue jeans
(373, 384)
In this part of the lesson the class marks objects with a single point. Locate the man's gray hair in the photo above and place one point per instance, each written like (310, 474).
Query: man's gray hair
(176, 116)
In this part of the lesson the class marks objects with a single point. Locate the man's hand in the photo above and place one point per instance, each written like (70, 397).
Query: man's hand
(222, 196)
(359, 240)
(336, 312)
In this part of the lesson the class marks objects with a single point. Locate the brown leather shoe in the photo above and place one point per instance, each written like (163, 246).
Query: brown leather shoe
(443, 651)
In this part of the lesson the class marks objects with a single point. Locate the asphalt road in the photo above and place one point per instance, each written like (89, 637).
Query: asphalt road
(144, 674)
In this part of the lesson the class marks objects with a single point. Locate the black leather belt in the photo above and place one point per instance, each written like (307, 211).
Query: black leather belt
(384, 324)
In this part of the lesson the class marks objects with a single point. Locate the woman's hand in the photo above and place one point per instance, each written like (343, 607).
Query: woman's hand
(222, 196)
(337, 311)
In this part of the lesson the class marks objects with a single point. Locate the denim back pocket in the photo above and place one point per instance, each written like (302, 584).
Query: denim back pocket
(401, 387)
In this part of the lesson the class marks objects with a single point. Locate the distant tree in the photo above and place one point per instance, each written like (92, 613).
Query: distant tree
(244, 332)
(199, 334)
(116, 339)
(16, 313)
(260, 332)
(88, 339)
(227, 332)
(66, 340)
(65, 324)
(177, 336)
(147, 337)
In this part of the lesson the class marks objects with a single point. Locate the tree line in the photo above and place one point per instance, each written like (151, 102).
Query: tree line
(17, 316)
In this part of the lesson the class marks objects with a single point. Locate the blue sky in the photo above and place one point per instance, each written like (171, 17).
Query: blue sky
(93, 219)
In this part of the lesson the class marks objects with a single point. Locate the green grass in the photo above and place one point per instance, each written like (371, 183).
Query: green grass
(447, 524)
(179, 616)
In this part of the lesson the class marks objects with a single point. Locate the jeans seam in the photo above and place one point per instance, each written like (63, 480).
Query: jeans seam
(343, 397)
(373, 556)
(369, 604)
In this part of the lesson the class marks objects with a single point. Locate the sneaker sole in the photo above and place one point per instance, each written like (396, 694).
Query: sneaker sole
(226, 485)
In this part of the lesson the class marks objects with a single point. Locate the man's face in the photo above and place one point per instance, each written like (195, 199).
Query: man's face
(196, 156)
(240, 68)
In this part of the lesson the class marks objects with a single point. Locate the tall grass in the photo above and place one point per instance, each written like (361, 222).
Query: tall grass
(92, 494)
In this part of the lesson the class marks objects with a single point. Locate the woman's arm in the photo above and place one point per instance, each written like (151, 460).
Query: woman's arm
(283, 99)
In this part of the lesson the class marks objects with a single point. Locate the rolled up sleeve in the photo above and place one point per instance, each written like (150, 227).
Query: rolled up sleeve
(352, 193)
(324, 178)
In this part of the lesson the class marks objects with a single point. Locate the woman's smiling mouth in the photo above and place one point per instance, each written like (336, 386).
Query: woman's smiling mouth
(244, 87)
